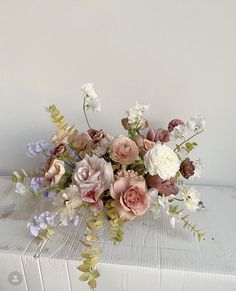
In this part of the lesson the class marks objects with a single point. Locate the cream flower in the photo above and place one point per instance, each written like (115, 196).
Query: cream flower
(55, 172)
(196, 123)
(163, 161)
(191, 198)
(67, 201)
(91, 98)
(135, 114)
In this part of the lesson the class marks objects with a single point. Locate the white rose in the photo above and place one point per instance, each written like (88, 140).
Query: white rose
(162, 160)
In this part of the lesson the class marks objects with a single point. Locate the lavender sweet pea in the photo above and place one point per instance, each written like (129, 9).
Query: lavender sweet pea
(42, 222)
(35, 184)
(34, 148)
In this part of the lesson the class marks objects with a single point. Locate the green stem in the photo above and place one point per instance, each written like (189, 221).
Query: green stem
(195, 134)
(85, 114)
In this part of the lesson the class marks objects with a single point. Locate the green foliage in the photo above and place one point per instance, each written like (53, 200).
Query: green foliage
(192, 228)
(57, 118)
(91, 256)
(19, 176)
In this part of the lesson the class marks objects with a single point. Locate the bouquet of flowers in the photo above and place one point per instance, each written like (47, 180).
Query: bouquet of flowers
(115, 179)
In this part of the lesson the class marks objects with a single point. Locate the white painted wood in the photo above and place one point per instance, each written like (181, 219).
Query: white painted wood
(153, 256)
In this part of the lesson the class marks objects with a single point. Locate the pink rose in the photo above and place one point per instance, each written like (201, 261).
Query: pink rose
(92, 171)
(131, 196)
(124, 150)
(165, 187)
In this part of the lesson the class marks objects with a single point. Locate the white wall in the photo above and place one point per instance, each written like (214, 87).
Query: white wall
(178, 56)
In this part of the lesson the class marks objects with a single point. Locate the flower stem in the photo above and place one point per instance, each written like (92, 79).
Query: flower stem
(195, 134)
(85, 114)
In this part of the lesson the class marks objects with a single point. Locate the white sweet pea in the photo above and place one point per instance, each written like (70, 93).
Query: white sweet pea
(191, 198)
(162, 160)
(135, 114)
(196, 123)
(199, 165)
(177, 132)
(91, 98)
(20, 188)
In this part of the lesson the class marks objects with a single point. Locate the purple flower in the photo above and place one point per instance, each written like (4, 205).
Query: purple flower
(49, 194)
(34, 148)
(35, 184)
(42, 222)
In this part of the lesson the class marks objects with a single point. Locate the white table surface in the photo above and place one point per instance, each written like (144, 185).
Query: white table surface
(152, 256)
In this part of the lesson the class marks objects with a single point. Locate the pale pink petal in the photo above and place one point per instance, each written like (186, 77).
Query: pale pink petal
(97, 206)
(123, 215)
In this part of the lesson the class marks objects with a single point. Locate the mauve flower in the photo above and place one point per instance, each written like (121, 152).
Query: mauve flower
(143, 144)
(165, 187)
(187, 168)
(103, 145)
(93, 171)
(55, 172)
(131, 196)
(59, 150)
(80, 142)
(92, 197)
(96, 135)
(173, 123)
(124, 150)
(163, 135)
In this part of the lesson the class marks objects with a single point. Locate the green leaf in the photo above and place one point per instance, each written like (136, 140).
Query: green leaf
(84, 277)
(84, 268)
(86, 254)
(92, 283)
(95, 273)
(94, 261)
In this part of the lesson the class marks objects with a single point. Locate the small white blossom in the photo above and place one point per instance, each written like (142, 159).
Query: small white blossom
(182, 153)
(91, 98)
(135, 114)
(196, 123)
(191, 198)
(20, 188)
(199, 165)
(177, 132)
(173, 221)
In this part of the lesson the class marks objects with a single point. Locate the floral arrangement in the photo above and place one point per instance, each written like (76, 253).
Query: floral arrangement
(116, 179)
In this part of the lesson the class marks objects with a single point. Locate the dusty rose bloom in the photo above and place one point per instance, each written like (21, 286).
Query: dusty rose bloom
(96, 135)
(59, 150)
(144, 144)
(187, 168)
(54, 173)
(160, 134)
(164, 135)
(92, 197)
(165, 187)
(173, 123)
(124, 150)
(131, 196)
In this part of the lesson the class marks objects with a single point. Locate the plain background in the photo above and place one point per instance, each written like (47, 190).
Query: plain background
(178, 56)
